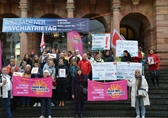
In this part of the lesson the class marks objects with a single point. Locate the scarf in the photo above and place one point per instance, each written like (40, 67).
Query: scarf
(139, 79)
(80, 77)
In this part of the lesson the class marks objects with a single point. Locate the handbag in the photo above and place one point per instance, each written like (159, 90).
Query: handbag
(142, 93)
(54, 83)
(84, 90)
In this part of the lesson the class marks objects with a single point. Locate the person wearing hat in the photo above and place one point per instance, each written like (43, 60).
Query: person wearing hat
(46, 101)
(77, 92)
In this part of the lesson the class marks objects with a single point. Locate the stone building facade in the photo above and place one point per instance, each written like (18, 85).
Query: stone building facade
(147, 19)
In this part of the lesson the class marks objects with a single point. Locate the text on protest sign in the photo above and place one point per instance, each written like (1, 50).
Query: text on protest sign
(127, 70)
(101, 41)
(32, 87)
(130, 46)
(107, 91)
(104, 71)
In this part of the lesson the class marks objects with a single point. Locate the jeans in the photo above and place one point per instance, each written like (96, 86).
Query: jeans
(26, 100)
(43, 106)
(7, 105)
(77, 107)
(139, 103)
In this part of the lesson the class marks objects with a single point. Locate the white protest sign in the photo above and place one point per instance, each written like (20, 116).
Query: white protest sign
(18, 74)
(130, 46)
(101, 41)
(104, 71)
(127, 70)
(52, 56)
(34, 70)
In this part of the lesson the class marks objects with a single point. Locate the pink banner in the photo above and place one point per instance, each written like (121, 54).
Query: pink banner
(107, 91)
(32, 87)
(76, 41)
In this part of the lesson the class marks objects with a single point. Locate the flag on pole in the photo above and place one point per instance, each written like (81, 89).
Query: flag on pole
(42, 44)
(116, 36)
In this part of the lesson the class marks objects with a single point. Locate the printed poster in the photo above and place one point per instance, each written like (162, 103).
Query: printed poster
(32, 87)
(107, 91)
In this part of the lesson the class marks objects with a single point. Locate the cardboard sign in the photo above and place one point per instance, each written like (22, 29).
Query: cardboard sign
(130, 46)
(101, 42)
(104, 71)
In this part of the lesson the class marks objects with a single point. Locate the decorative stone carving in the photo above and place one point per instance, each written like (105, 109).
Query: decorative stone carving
(135, 2)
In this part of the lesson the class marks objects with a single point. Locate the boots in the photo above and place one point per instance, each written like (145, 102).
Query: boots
(76, 116)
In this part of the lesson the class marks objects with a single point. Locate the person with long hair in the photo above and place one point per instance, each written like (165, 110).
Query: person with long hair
(153, 62)
(137, 101)
(27, 59)
(126, 57)
(61, 78)
(78, 82)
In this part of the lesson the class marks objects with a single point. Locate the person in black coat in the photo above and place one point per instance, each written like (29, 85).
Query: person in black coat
(77, 93)
(126, 57)
(64, 60)
(61, 78)
(108, 57)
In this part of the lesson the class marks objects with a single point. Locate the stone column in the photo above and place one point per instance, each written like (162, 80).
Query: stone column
(70, 14)
(115, 20)
(23, 36)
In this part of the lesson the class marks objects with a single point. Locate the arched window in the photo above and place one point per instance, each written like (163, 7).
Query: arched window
(127, 32)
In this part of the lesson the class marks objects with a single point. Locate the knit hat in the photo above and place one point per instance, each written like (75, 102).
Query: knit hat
(46, 71)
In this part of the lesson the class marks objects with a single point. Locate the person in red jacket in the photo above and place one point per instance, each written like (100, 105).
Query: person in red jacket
(85, 66)
(138, 58)
(153, 62)
(12, 64)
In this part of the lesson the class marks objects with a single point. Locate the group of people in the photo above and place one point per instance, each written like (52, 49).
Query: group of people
(78, 70)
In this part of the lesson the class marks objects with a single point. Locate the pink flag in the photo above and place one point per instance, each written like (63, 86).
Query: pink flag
(76, 41)
(42, 44)
(116, 36)
(0, 55)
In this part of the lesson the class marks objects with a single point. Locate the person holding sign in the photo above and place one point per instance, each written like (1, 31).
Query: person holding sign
(78, 84)
(153, 62)
(107, 56)
(98, 58)
(46, 100)
(61, 76)
(139, 85)
(85, 66)
(126, 57)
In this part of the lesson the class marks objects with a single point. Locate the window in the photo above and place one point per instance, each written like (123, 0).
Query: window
(127, 32)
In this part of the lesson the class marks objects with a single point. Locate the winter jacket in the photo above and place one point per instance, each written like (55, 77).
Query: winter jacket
(85, 66)
(138, 58)
(4, 88)
(9, 68)
(126, 58)
(132, 83)
(109, 58)
(51, 69)
(72, 70)
(156, 60)
(77, 89)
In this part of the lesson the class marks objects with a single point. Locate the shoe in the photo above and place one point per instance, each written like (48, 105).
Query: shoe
(41, 117)
(137, 116)
(60, 104)
(35, 104)
(27, 105)
(23, 105)
(63, 103)
(76, 116)
(39, 104)
(49, 117)
(52, 104)
(143, 116)
(81, 116)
